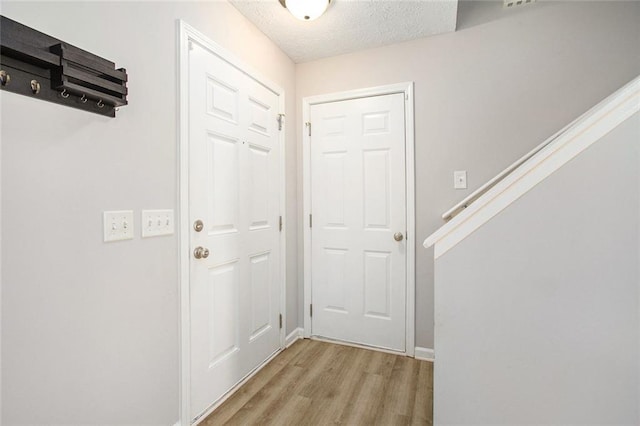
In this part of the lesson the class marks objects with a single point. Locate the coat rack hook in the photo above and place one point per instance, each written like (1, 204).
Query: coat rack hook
(83, 99)
(64, 94)
(5, 78)
(100, 104)
(35, 86)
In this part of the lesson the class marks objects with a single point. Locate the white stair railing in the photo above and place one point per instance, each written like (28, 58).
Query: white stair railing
(466, 202)
(533, 168)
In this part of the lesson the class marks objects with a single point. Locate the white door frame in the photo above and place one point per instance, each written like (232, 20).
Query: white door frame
(186, 34)
(407, 90)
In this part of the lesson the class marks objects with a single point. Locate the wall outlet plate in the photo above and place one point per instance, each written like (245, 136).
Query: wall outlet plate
(118, 225)
(460, 179)
(157, 222)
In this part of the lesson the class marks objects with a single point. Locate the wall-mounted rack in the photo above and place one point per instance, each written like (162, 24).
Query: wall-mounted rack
(40, 66)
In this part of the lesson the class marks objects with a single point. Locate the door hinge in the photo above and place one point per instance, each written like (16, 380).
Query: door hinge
(310, 221)
(311, 310)
(280, 121)
(280, 320)
(308, 124)
(280, 224)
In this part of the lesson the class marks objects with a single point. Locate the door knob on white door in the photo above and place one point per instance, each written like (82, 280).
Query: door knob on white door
(398, 236)
(201, 253)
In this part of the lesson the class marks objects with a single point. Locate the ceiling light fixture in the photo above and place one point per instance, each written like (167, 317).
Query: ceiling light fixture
(306, 10)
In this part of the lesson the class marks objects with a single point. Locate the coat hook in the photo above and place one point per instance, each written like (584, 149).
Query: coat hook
(35, 87)
(64, 94)
(4, 78)
(83, 99)
(100, 104)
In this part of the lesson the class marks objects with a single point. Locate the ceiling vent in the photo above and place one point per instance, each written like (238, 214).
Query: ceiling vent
(512, 3)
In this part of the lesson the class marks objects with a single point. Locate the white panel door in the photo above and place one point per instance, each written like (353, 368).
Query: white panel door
(358, 200)
(234, 190)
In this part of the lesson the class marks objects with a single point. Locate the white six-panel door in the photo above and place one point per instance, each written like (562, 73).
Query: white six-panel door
(358, 204)
(234, 189)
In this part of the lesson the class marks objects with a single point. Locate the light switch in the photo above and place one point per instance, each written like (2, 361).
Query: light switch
(118, 225)
(460, 179)
(157, 222)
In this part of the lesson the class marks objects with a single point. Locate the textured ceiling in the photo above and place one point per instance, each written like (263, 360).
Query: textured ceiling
(349, 25)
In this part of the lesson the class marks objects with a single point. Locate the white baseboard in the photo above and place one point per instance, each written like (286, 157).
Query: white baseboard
(293, 336)
(425, 354)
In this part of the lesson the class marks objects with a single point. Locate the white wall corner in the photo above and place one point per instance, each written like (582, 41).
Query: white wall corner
(294, 336)
(425, 354)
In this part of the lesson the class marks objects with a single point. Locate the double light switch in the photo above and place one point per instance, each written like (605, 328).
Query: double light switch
(118, 225)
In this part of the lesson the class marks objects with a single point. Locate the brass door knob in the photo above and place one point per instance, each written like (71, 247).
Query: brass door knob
(398, 236)
(201, 253)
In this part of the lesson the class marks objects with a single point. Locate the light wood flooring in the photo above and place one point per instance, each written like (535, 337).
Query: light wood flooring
(318, 383)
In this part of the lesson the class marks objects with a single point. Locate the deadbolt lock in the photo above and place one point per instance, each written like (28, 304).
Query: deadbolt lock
(201, 253)
(198, 225)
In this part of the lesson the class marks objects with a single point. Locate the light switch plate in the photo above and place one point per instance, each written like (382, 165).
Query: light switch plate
(118, 225)
(460, 179)
(156, 223)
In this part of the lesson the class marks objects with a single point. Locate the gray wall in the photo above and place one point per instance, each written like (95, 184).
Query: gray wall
(537, 312)
(90, 330)
(487, 94)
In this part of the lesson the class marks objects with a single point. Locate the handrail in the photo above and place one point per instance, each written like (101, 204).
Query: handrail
(466, 202)
(539, 164)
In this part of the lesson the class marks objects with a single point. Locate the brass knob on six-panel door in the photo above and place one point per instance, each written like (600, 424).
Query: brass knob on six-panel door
(398, 236)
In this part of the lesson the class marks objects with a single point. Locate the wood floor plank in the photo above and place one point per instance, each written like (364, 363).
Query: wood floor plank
(423, 403)
(319, 383)
(223, 413)
(362, 405)
(259, 406)
(399, 392)
(328, 405)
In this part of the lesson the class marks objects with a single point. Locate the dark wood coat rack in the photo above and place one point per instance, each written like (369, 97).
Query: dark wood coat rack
(42, 67)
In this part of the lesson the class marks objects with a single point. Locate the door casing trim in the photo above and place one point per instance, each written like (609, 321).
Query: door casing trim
(186, 34)
(406, 89)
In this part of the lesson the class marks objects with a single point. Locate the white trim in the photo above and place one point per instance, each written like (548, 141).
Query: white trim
(294, 336)
(234, 389)
(183, 220)
(407, 89)
(185, 35)
(410, 180)
(283, 232)
(425, 354)
(586, 131)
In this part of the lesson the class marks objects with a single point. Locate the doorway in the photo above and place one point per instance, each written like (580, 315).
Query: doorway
(359, 202)
(231, 215)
